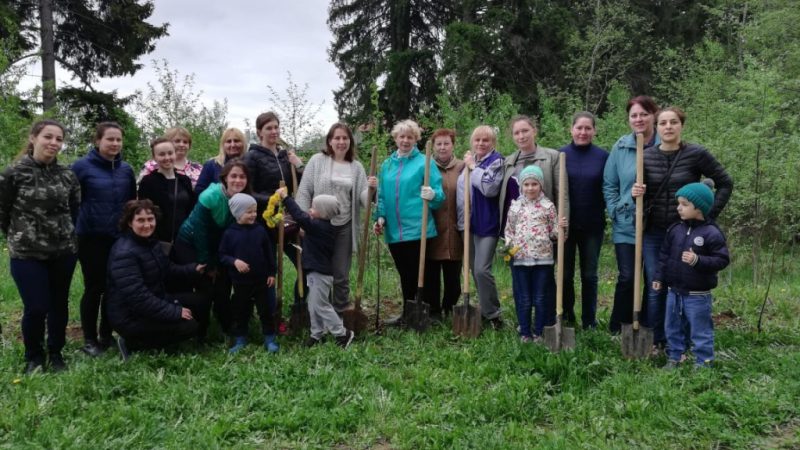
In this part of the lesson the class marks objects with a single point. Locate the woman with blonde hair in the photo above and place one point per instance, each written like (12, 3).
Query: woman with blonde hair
(231, 145)
(399, 210)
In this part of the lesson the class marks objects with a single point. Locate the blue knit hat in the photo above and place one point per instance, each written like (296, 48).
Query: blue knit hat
(699, 194)
(532, 171)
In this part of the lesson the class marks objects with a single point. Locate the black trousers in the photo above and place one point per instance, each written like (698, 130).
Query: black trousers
(216, 290)
(155, 334)
(93, 251)
(245, 296)
(435, 272)
(406, 260)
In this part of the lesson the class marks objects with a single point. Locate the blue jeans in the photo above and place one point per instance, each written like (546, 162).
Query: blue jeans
(622, 311)
(588, 244)
(656, 300)
(44, 289)
(530, 286)
(689, 318)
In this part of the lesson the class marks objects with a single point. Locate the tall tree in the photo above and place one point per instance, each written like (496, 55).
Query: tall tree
(394, 43)
(91, 39)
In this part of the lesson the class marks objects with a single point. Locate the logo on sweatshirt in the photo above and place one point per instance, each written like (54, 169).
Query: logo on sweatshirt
(699, 241)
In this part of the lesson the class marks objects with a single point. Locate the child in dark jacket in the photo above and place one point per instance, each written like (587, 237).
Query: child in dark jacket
(246, 251)
(317, 253)
(694, 250)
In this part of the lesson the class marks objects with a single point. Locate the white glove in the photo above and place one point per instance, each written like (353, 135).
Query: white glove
(427, 193)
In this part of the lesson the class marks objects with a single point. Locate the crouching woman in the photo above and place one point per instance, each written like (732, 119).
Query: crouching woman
(140, 310)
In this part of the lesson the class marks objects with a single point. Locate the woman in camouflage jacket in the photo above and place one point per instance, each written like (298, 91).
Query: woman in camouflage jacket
(39, 201)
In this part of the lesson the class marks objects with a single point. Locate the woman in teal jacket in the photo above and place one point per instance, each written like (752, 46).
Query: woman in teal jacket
(400, 195)
(618, 178)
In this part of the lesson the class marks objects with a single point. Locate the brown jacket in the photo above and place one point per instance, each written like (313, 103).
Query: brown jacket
(447, 245)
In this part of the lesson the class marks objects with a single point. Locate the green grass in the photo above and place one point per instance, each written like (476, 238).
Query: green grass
(403, 390)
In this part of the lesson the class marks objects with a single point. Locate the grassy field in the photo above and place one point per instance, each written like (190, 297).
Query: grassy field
(403, 390)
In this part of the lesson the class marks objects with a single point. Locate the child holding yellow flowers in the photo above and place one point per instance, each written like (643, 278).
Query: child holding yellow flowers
(530, 231)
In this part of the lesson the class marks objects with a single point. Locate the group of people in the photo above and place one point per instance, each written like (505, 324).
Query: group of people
(159, 255)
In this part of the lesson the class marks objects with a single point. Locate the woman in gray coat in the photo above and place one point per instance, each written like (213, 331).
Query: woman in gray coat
(336, 172)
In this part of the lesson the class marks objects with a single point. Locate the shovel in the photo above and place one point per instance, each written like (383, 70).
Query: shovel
(378, 325)
(466, 318)
(278, 316)
(300, 319)
(416, 310)
(355, 319)
(637, 341)
(556, 337)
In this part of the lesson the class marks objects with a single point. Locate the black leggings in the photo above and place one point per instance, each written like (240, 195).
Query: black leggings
(406, 260)
(93, 251)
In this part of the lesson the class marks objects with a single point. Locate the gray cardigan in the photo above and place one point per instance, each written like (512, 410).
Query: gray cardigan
(317, 180)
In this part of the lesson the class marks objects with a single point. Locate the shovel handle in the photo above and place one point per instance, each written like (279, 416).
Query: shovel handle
(637, 261)
(423, 239)
(467, 212)
(279, 284)
(362, 249)
(562, 199)
(299, 252)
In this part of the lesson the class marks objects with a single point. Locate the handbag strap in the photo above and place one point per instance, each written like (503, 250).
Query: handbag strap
(174, 210)
(669, 174)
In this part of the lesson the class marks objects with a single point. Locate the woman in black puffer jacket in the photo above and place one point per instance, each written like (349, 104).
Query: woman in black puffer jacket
(139, 308)
(668, 167)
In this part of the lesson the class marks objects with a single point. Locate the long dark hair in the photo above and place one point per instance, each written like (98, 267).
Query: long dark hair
(226, 169)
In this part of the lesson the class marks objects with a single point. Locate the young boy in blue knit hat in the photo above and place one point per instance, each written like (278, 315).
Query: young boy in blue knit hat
(694, 250)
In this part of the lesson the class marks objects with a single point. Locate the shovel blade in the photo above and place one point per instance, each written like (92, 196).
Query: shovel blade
(355, 319)
(557, 338)
(416, 315)
(466, 321)
(300, 320)
(636, 344)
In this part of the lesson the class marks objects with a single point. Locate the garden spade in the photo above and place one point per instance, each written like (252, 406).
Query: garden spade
(466, 317)
(416, 310)
(355, 319)
(300, 319)
(637, 340)
(279, 284)
(378, 324)
(557, 337)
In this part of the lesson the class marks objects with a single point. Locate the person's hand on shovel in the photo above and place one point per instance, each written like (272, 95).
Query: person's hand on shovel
(638, 190)
(270, 281)
(378, 227)
(283, 192)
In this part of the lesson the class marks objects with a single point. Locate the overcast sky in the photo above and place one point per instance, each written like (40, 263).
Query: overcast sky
(236, 48)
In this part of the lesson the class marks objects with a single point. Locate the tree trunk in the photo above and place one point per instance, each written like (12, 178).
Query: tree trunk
(48, 55)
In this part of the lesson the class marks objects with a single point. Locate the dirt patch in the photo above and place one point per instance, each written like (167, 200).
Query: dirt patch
(784, 436)
(727, 319)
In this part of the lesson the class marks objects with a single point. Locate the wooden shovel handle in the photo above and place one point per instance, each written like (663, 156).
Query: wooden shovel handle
(423, 239)
(637, 261)
(362, 249)
(467, 212)
(562, 199)
(299, 254)
(279, 284)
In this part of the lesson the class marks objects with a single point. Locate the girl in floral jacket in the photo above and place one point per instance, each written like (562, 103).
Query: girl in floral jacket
(529, 234)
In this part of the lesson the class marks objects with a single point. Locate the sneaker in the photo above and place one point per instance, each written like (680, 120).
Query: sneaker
(526, 339)
(239, 342)
(32, 367)
(271, 344)
(93, 349)
(124, 353)
(310, 342)
(496, 323)
(537, 339)
(671, 365)
(57, 363)
(345, 339)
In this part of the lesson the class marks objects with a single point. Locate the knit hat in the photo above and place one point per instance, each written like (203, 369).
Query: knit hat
(239, 204)
(325, 205)
(532, 171)
(699, 194)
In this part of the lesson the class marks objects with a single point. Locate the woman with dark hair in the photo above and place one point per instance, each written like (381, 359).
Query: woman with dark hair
(619, 175)
(335, 171)
(182, 140)
(585, 164)
(269, 164)
(167, 189)
(139, 308)
(201, 233)
(231, 145)
(445, 251)
(668, 167)
(39, 201)
(107, 183)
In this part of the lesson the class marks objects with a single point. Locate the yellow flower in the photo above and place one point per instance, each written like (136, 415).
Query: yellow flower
(507, 258)
(513, 251)
(273, 215)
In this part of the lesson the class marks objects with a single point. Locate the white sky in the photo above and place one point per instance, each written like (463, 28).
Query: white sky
(235, 48)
